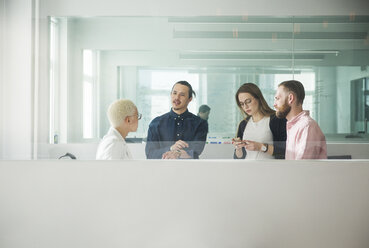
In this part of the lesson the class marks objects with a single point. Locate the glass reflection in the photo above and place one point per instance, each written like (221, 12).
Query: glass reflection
(141, 57)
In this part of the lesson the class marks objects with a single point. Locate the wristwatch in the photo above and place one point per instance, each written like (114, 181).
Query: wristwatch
(264, 147)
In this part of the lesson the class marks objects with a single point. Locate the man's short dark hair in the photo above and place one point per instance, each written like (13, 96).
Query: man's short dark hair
(204, 108)
(296, 87)
(190, 90)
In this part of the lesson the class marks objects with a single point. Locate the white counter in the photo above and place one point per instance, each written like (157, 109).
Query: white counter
(197, 204)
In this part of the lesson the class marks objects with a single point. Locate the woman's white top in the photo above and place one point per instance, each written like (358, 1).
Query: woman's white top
(113, 146)
(259, 132)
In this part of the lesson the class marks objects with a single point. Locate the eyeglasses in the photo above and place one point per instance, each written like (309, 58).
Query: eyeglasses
(139, 116)
(246, 102)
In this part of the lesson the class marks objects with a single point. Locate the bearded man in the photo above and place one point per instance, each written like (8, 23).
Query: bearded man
(305, 139)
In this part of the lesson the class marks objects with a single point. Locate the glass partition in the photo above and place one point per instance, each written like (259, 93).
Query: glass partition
(96, 60)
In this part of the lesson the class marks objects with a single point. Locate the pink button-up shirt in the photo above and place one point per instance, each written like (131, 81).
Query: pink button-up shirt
(305, 140)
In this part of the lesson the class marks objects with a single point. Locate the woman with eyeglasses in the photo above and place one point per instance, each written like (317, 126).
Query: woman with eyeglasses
(123, 117)
(260, 135)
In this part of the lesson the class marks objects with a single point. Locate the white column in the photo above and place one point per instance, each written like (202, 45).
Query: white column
(327, 85)
(16, 81)
(2, 27)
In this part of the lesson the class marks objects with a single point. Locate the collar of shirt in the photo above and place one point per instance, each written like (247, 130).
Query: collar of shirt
(298, 117)
(114, 131)
(181, 116)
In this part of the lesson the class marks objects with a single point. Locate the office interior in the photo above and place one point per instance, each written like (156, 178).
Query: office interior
(63, 62)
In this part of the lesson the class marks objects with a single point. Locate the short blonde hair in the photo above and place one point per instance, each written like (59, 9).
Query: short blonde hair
(119, 110)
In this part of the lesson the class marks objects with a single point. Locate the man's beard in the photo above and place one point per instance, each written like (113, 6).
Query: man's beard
(175, 106)
(283, 111)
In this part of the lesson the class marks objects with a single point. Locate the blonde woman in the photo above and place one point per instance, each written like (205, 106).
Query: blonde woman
(261, 135)
(123, 117)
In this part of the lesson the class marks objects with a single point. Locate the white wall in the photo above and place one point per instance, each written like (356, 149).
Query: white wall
(16, 114)
(198, 204)
(2, 28)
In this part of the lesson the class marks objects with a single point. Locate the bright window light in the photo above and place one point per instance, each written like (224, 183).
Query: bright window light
(159, 105)
(52, 69)
(307, 79)
(88, 90)
(87, 63)
(87, 110)
(164, 80)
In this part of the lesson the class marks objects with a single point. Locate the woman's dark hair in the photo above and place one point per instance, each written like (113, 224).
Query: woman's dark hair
(190, 90)
(254, 90)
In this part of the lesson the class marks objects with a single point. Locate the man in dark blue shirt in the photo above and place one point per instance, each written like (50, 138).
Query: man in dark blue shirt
(179, 133)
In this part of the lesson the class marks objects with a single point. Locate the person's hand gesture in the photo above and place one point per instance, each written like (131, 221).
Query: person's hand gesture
(238, 143)
(253, 145)
(179, 145)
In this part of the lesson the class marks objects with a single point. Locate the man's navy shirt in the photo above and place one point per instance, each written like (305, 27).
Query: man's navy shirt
(165, 130)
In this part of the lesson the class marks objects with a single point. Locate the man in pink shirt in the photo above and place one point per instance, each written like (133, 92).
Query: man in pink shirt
(305, 140)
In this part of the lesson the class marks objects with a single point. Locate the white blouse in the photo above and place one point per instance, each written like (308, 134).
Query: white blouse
(259, 132)
(113, 146)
